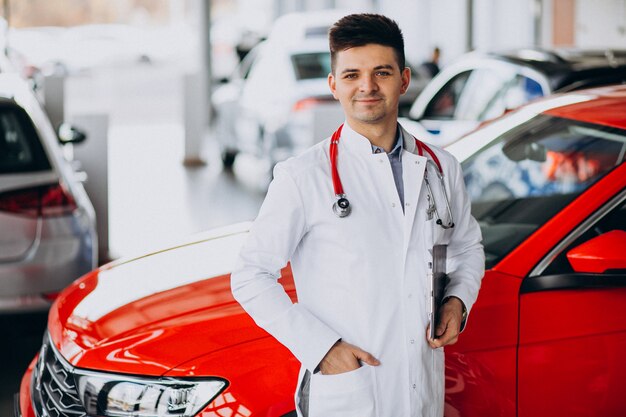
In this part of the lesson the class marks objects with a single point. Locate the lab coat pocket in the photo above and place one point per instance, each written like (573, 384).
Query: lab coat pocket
(350, 394)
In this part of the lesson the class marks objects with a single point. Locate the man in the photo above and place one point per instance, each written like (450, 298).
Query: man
(360, 325)
(432, 66)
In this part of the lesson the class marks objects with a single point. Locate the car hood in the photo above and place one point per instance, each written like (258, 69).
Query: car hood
(149, 314)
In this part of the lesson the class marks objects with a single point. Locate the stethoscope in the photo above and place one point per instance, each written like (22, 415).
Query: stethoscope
(342, 208)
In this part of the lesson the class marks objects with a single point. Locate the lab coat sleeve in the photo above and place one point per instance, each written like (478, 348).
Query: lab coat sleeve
(466, 257)
(273, 238)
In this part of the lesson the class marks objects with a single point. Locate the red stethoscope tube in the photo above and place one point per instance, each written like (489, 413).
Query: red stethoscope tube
(342, 206)
(334, 141)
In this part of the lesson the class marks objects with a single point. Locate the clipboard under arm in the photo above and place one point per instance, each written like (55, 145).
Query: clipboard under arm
(438, 279)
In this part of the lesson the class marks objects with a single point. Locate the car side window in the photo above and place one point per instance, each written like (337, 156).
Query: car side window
(444, 104)
(245, 66)
(613, 220)
(482, 89)
(20, 149)
(516, 92)
(310, 66)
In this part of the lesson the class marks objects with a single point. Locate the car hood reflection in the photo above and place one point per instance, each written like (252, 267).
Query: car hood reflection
(150, 314)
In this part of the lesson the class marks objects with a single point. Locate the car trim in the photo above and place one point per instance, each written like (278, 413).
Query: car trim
(582, 228)
(16, 405)
(572, 282)
(212, 234)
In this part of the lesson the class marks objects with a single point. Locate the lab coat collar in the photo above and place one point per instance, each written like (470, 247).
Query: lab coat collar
(359, 144)
(409, 141)
(355, 142)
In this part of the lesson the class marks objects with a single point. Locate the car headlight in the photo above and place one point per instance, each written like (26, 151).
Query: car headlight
(109, 395)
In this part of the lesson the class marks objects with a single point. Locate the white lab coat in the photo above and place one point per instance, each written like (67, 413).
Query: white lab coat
(362, 278)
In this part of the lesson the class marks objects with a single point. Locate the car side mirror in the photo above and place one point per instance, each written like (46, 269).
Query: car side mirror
(533, 151)
(69, 134)
(600, 254)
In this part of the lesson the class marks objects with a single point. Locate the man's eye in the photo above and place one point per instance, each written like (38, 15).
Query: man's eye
(383, 73)
(350, 76)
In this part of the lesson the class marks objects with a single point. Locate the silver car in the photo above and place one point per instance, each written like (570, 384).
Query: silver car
(47, 223)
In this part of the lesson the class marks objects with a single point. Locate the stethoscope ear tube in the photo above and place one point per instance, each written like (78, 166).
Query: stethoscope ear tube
(442, 185)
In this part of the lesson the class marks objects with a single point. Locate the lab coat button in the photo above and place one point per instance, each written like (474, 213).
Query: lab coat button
(393, 204)
(414, 386)
(412, 341)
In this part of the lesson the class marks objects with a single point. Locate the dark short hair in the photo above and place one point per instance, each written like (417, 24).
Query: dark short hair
(363, 29)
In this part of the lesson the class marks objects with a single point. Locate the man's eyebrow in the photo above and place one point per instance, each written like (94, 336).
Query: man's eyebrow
(377, 68)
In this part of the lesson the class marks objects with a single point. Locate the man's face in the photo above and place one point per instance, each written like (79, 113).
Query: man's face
(368, 83)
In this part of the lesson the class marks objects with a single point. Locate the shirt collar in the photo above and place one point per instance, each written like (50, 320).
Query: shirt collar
(398, 147)
(357, 143)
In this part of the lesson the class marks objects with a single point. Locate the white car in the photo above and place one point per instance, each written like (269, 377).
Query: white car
(278, 102)
(47, 223)
(482, 86)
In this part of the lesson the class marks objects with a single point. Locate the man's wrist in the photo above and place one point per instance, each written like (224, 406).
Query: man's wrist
(463, 309)
(318, 367)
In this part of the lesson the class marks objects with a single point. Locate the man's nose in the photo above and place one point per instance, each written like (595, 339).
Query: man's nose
(368, 84)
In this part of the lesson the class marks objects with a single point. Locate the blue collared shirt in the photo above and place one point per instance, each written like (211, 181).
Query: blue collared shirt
(395, 159)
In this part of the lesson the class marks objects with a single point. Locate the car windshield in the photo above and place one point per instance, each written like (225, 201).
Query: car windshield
(311, 65)
(530, 173)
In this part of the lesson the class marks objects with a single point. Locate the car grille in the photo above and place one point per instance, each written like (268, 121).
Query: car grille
(53, 390)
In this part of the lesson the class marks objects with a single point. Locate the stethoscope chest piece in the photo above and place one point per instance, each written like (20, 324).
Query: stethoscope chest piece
(341, 207)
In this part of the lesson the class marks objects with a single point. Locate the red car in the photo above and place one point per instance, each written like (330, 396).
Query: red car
(162, 335)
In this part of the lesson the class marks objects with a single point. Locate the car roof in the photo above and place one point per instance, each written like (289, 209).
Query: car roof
(308, 46)
(567, 69)
(604, 106)
(297, 26)
(14, 88)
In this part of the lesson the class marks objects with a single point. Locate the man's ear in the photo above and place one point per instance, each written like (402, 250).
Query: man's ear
(332, 85)
(406, 79)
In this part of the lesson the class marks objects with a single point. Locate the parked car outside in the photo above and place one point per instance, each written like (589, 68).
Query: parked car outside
(482, 86)
(47, 223)
(161, 334)
(277, 102)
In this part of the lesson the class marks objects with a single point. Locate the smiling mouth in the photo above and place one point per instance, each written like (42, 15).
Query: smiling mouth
(368, 100)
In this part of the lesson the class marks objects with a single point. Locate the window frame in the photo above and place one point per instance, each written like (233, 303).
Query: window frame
(548, 258)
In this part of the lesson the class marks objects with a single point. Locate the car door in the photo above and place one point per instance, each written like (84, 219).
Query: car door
(572, 335)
